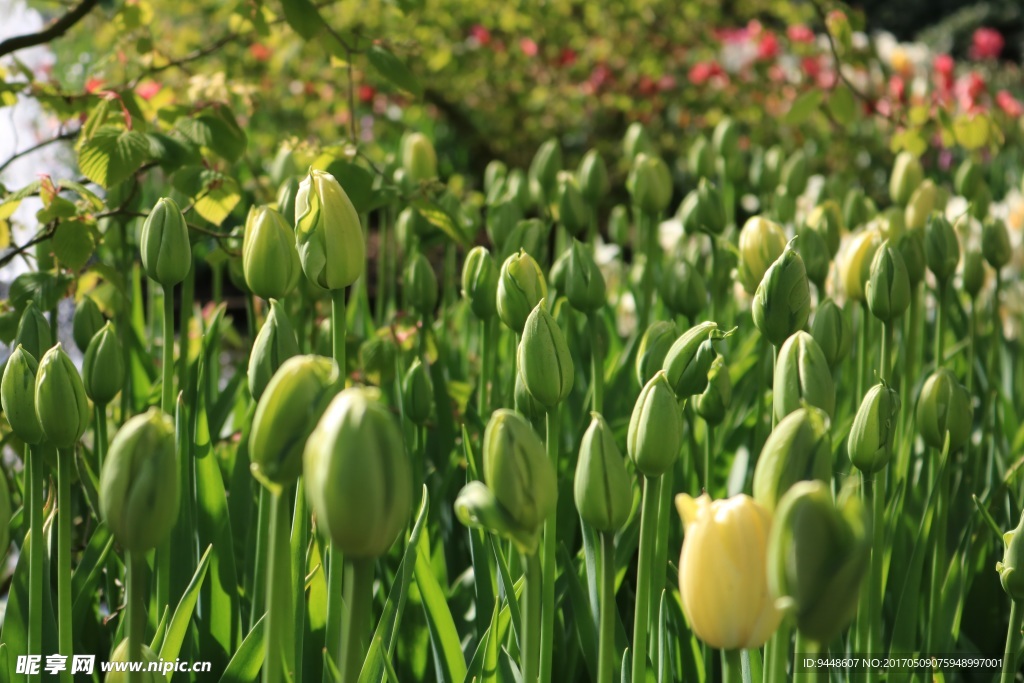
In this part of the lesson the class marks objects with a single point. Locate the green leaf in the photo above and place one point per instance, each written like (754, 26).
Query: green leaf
(444, 637)
(84, 192)
(971, 131)
(303, 17)
(215, 194)
(170, 152)
(583, 620)
(112, 155)
(842, 105)
(74, 243)
(245, 664)
(803, 107)
(391, 67)
(441, 219)
(216, 129)
(45, 288)
(357, 183)
(171, 647)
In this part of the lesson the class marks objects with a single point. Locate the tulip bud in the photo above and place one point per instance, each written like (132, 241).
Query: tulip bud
(967, 178)
(286, 204)
(831, 330)
(784, 205)
(722, 571)
(798, 449)
(689, 359)
(34, 331)
(417, 393)
(420, 284)
(888, 288)
(544, 360)
(86, 322)
(1010, 571)
(981, 202)
(544, 168)
(570, 206)
(17, 396)
(358, 475)
(856, 210)
(782, 302)
(275, 343)
(654, 345)
(584, 283)
(592, 176)
(480, 282)
(700, 160)
(815, 254)
(650, 184)
(726, 138)
(683, 290)
(145, 675)
(995, 243)
(636, 141)
(521, 287)
(794, 173)
(703, 210)
(166, 251)
(973, 273)
(494, 174)
(269, 259)
(871, 437)
(944, 405)
(618, 225)
(712, 404)
(139, 482)
(855, 262)
(61, 405)
(103, 369)
(761, 242)
(818, 555)
(907, 174)
(602, 487)
(328, 234)
(655, 428)
(419, 160)
(525, 404)
(924, 201)
(518, 470)
(802, 377)
(826, 219)
(941, 247)
(531, 236)
(911, 247)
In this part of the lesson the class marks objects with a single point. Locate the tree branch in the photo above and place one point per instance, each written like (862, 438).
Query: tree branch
(52, 32)
(63, 135)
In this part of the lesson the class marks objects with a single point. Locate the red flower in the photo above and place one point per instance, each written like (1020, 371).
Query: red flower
(600, 76)
(897, 88)
(943, 64)
(701, 72)
(147, 89)
(768, 47)
(811, 67)
(567, 57)
(93, 85)
(481, 34)
(528, 46)
(260, 52)
(798, 33)
(1009, 104)
(667, 82)
(986, 43)
(646, 86)
(366, 93)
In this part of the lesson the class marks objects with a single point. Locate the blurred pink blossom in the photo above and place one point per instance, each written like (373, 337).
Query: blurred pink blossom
(701, 72)
(1009, 104)
(986, 43)
(768, 47)
(798, 33)
(528, 46)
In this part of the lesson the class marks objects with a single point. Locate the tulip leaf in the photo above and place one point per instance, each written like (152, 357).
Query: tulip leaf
(803, 107)
(88, 572)
(393, 69)
(484, 665)
(112, 155)
(444, 637)
(14, 631)
(245, 664)
(583, 619)
(511, 591)
(178, 626)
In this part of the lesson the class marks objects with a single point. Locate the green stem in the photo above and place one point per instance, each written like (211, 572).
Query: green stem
(136, 576)
(606, 620)
(486, 353)
(163, 551)
(709, 435)
(299, 543)
(279, 657)
(532, 609)
(939, 562)
(1013, 638)
(65, 458)
(862, 351)
(810, 649)
(777, 653)
(940, 326)
(259, 572)
(771, 383)
(973, 317)
(335, 571)
(732, 666)
(549, 560)
(34, 464)
(356, 619)
(649, 236)
(886, 363)
(648, 529)
(596, 364)
(188, 289)
(100, 432)
(875, 580)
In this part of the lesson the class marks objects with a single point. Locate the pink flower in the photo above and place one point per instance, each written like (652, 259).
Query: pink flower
(798, 33)
(701, 72)
(897, 88)
(811, 67)
(1009, 104)
(986, 43)
(366, 93)
(480, 34)
(528, 46)
(93, 85)
(768, 47)
(147, 89)
(260, 52)
(943, 64)
(667, 82)
(567, 57)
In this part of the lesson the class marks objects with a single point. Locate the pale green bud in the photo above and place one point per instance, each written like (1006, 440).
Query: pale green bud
(995, 243)
(941, 247)
(682, 289)
(717, 396)
(18, 396)
(275, 343)
(761, 242)
(417, 393)
(518, 470)
(570, 205)
(602, 488)
(270, 261)
(650, 184)
(61, 404)
(655, 428)
(1011, 569)
(419, 159)
(592, 176)
(973, 272)
(494, 174)
(584, 283)
(967, 179)
(924, 201)
(888, 288)
(618, 225)
(654, 345)
(34, 331)
(286, 203)
(816, 256)
(420, 284)
(543, 174)
(480, 282)
(798, 449)
(911, 247)
(636, 141)
(944, 405)
(328, 234)
(700, 159)
(86, 322)
(874, 426)
(782, 302)
(802, 377)
(689, 359)
(544, 360)
(521, 286)
(831, 329)
(827, 220)
(103, 370)
(120, 654)
(794, 173)
(166, 250)
(907, 174)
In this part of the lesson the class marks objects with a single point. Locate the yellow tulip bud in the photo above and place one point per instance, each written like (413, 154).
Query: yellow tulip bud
(328, 233)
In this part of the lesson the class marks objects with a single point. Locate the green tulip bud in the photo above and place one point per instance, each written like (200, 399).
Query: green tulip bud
(286, 203)
(495, 173)
(34, 331)
(636, 141)
(794, 173)
(907, 174)
(973, 273)
(120, 654)
(285, 416)
(967, 178)
(61, 405)
(871, 437)
(420, 284)
(798, 449)
(784, 205)
(602, 487)
(891, 223)
(802, 377)
(618, 225)
(283, 166)
(995, 243)
(103, 370)
(411, 224)
(761, 242)
(558, 275)
(525, 404)
(417, 393)
(682, 289)
(815, 254)
(521, 287)
(782, 302)
(726, 138)
(502, 219)
(358, 475)
(592, 176)
(1010, 571)
(570, 205)
(480, 282)
(166, 250)
(911, 247)
(139, 482)
(712, 404)
(650, 184)
(86, 322)
(941, 247)
(18, 396)
(888, 288)
(518, 470)
(544, 168)
(700, 159)
(531, 236)
(818, 556)
(655, 428)
(944, 405)
(826, 219)
(922, 203)
(832, 331)
(275, 343)
(689, 359)
(544, 360)
(654, 345)
(517, 188)
(269, 259)
(328, 234)
(584, 283)
(855, 262)
(419, 160)
(856, 209)
(702, 210)
(377, 357)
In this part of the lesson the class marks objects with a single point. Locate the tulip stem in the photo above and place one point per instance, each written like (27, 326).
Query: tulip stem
(259, 572)
(647, 227)
(100, 431)
(940, 325)
(596, 363)
(531, 618)
(34, 465)
(777, 652)
(732, 666)
(709, 434)
(648, 529)
(1013, 638)
(136, 607)
(549, 560)
(862, 351)
(886, 367)
(939, 530)
(64, 640)
(279, 660)
(355, 626)
(335, 585)
(163, 551)
(299, 544)
(486, 354)
(606, 620)
(876, 491)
